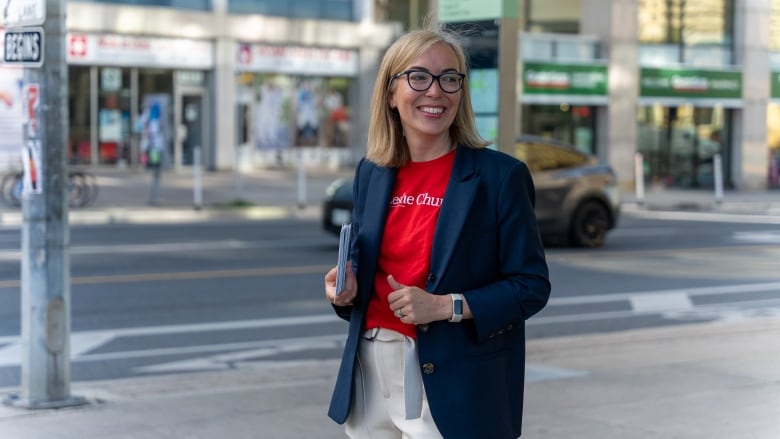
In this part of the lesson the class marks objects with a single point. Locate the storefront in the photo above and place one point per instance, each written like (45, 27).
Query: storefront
(118, 84)
(685, 119)
(563, 102)
(773, 132)
(294, 99)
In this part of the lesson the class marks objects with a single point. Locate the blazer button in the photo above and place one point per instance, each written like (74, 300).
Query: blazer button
(431, 277)
(423, 328)
(428, 368)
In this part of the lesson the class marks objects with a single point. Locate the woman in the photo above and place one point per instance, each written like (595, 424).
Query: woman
(446, 262)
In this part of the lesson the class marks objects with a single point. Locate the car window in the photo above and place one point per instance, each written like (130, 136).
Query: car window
(545, 157)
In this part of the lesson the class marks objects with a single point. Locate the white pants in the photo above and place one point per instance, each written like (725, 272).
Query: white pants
(378, 409)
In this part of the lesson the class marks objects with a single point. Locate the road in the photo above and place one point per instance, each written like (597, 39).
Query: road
(151, 299)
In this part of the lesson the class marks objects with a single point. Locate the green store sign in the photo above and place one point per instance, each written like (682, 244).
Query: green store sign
(673, 83)
(774, 79)
(564, 79)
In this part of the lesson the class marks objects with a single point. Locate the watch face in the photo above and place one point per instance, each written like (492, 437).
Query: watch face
(457, 307)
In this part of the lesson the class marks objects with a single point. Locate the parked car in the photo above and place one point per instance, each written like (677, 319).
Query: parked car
(577, 198)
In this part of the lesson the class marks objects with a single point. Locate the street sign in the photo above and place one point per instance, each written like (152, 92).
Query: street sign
(23, 12)
(24, 47)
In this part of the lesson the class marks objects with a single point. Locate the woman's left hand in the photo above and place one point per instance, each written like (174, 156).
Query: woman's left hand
(346, 297)
(416, 306)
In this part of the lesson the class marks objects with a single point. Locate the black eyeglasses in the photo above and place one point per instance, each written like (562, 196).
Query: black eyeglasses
(420, 80)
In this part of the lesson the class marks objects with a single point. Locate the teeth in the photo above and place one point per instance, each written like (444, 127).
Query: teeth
(432, 110)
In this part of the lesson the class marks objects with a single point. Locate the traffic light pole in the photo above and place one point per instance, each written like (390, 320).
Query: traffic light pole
(45, 272)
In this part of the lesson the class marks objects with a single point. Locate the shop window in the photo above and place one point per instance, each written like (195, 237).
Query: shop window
(554, 16)
(199, 5)
(570, 124)
(289, 111)
(315, 9)
(695, 32)
(79, 143)
(114, 115)
(678, 145)
(155, 90)
(410, 13)
(773, 136)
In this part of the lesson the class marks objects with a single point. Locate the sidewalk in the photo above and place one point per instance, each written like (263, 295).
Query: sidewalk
(700, 381)
(124, 194)
(277, 193)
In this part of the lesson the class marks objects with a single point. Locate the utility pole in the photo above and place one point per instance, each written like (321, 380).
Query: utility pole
(45, 272)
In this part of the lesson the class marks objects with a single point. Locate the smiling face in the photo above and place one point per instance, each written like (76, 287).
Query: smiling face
(426, 116)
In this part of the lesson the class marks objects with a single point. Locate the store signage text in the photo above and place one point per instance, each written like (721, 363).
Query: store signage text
(296, 60)
(690, 83)
(564, 79)
(130, 51)
(24, 47)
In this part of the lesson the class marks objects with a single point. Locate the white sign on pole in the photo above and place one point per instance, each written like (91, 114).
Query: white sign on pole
(24, 46)
(23, 12)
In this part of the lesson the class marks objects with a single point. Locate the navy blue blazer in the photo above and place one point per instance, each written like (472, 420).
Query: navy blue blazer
(487, 247)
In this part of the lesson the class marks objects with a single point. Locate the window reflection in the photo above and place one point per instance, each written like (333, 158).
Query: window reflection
(687, 22)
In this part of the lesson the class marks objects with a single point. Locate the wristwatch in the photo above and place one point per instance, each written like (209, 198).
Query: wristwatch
(457, 308)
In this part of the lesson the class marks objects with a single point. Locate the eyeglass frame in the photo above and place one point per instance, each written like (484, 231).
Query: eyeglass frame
(434, 78)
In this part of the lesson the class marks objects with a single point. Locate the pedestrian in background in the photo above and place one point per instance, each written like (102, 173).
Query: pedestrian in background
(446, 262)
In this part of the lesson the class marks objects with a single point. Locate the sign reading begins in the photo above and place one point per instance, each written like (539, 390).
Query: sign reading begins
(24, 47)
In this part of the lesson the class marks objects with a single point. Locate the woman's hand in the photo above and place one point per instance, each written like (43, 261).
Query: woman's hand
(347, 296)
(416, 306)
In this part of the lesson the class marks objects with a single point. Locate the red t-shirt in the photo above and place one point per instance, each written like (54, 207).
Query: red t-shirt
(408, 237)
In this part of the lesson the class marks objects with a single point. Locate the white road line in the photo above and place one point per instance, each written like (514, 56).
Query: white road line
(204, 327)
(11, 353)
(706, 216)
(691, 292)
(252, 351)
(221, 347)
(173, 247)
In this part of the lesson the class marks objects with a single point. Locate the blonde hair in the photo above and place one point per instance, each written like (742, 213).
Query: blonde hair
(386, 143)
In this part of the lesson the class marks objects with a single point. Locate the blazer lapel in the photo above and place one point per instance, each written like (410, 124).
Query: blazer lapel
(461, 190)
(377, 195)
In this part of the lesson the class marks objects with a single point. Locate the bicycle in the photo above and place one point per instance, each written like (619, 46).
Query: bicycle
(82, 189)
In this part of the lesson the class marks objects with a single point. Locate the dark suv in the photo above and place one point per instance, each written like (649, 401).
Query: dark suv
(576, 197)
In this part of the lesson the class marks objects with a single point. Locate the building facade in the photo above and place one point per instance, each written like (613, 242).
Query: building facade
(234, 83)
(677, 83)
(264, 83)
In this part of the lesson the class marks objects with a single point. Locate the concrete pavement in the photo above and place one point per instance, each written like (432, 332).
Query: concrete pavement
(708, 380)
(698, 381)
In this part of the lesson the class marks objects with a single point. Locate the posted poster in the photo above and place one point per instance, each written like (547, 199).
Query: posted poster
(31, 161)
(11, 117)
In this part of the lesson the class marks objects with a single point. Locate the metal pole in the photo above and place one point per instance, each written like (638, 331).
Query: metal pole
(717, 165)
(639, 178)
(45, 273)
(197, 179)
(301, 181)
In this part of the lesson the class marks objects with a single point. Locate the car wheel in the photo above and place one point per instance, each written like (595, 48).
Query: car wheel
(589, 225)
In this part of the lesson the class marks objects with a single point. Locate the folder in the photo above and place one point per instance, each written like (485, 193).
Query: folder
(341, 273)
